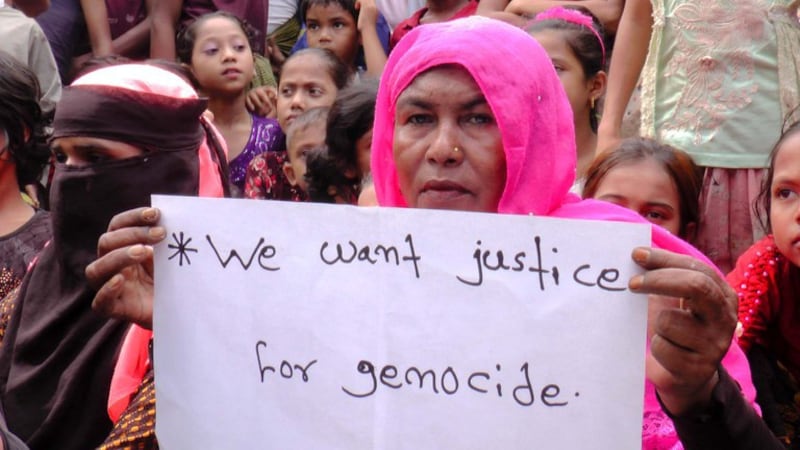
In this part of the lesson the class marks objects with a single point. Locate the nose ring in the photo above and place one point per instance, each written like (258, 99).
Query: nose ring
(455, 149)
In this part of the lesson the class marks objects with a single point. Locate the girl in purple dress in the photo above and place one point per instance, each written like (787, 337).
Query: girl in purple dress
(216, 47)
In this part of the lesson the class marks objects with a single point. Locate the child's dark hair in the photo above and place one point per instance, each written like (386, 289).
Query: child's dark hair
(21, 118)
(185, 40)
(350, 118)
(763, 201)
(347, 5)
(339, 72)
(683, 171)
(590, 45)
(325, 179)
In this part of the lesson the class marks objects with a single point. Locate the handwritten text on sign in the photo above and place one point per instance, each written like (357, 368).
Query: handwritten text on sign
(296, 326)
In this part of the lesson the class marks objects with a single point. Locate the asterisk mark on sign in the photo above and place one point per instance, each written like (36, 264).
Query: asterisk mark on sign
(181, 248)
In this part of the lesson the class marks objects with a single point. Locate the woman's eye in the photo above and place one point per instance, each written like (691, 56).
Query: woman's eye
(96, 157)
(419, 119)
(59, 156)
(315, 92)
(480, 119)
(285, 92)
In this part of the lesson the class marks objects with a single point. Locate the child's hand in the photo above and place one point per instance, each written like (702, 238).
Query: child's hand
(262, 100)
(367, 13)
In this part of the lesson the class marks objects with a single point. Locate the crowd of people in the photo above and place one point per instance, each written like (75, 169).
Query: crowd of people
(670, 112)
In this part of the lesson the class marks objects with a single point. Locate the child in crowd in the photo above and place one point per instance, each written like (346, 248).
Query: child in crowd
(353, 30)
(575, 42)
(305, 133)
(326, 182)
(767, 279)
(23, 154)
(659, 182)
(310, 78)
(434, 11)
(337, 173)
(217, 50)
(709, 71)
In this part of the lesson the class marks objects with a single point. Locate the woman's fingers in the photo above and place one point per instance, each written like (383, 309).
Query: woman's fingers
(115, 261)
(703, 290)
(124, 282)
(129, 236)
(144, 216)
(689, 337)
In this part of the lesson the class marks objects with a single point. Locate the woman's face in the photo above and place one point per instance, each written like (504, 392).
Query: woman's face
(447, 146)
(305, 84)
(646, 188)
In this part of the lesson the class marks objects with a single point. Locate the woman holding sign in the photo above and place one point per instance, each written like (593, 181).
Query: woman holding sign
(490, 129)
(120, 134)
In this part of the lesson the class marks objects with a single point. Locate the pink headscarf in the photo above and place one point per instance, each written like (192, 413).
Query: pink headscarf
(533, 114)
(133, 361)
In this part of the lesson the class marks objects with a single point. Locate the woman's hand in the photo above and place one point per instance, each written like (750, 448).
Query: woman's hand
(689, 333)
(123, 271)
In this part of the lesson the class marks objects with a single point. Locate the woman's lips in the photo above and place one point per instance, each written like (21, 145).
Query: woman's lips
(442, 191)
(443, 185)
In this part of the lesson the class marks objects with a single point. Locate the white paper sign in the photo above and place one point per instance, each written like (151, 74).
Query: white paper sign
(297, 326)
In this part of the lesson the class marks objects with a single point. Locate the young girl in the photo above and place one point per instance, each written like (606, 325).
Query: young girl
(217, 50)
(767, 279)
(659, 182)
(353, 30)
(310, 78)
(576, 43)
(335, 175)
(709, 70)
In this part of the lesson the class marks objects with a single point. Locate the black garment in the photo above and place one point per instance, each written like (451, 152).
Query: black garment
(729, 423)
(17, 250)
(58, 355)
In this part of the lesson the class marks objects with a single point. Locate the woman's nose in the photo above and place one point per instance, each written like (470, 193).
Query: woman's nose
(445, 147)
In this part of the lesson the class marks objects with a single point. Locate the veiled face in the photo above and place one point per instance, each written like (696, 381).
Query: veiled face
(447, 145)
(83, 151)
